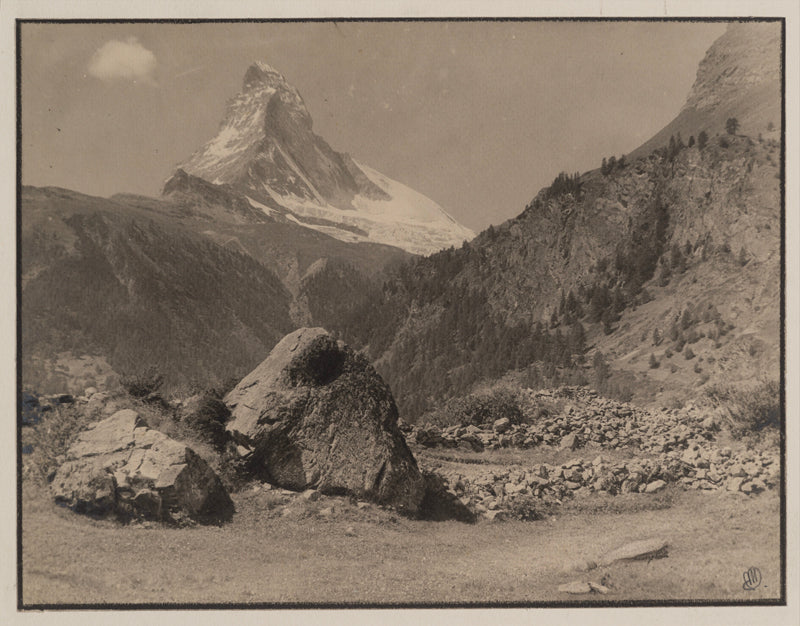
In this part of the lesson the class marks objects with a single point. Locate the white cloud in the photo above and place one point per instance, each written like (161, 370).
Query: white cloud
(128, 60)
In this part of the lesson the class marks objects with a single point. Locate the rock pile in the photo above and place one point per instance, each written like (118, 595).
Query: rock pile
(119, 467)
(499, 490)
(674, 447)
(587, 418)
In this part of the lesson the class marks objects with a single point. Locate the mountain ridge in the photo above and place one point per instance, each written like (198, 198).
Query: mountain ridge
(267, 150)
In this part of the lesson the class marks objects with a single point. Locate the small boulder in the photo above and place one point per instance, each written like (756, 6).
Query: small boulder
(598, 588)
(570, 442)
(734, 483)
(501, 425)
(312, 495)
(636, 550)
(121, 468)
(710, 423)
(316, 415)
(656, 485)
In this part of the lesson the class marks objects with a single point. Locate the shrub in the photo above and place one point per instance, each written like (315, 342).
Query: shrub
(702, 139)
(656, 337)
(232, 469)
(668, 353)
(688, 354)
(686, 319)
(50, 438)
(207, 417)
(478, 409)
(142, 384)
(653, 361)
(526, 508)
(748, 410)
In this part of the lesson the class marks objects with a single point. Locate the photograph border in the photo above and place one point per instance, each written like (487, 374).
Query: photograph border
(782, 601)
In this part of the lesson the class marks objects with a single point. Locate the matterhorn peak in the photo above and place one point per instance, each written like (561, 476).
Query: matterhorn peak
(266, 149)
(260, 74)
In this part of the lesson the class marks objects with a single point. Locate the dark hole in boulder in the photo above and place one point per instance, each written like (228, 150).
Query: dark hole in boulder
(320, 365)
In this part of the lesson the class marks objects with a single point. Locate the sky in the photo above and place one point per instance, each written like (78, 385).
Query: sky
(479, 116)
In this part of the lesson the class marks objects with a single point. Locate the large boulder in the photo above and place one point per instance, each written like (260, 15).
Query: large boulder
(121, 468)
(316, 415)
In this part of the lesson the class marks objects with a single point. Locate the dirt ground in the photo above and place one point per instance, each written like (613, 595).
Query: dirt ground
(282, 550)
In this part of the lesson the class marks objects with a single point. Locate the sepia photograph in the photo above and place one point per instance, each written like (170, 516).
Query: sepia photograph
(401, 312)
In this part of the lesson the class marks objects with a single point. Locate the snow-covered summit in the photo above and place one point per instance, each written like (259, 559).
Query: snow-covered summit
(259, 74)
(266, 149)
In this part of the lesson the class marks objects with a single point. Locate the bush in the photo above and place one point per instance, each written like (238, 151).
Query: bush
(688, 354)
(479, 409)
(142, 384)
(748, 410)
(656, 337)
(653, 362)
(51, 437)
(207, 416)
(526, 508)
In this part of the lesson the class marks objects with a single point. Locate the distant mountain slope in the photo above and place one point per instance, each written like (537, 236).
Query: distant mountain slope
(266, 149)
(675, 253)
(202, 281)
(102, 278)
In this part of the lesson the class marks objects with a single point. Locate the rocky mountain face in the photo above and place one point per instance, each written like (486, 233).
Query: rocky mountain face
(662, 269)
(739, 77)
(266, 149)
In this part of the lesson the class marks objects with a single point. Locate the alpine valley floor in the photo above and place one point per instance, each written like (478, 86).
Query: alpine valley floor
(283, 549)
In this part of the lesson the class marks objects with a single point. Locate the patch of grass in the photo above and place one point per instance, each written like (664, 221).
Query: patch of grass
(530, 456)
(712, 538)
(599, 503)
(752, 410)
